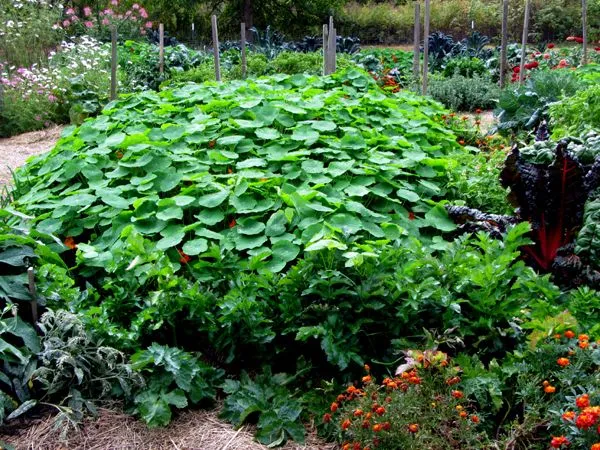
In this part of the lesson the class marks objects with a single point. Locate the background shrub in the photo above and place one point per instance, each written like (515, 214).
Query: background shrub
(464, 94)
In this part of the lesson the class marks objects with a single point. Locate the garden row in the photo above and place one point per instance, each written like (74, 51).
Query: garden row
(204, 233)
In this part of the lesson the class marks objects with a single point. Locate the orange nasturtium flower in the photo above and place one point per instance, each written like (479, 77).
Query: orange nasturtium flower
(70, 242)
(377, 427)
(334, 407)
(413, 427)
(569, 334)
(184, 259)
(346, 424)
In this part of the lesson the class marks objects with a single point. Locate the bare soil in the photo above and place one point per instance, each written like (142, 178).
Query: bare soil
(14, 151)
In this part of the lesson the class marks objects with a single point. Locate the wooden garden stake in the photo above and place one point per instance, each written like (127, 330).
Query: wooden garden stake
(215, 37)
(524, 44)
(325, 48)
(113, 63)
(417, 44)
(161, 48)
(584, 58)
(426, 45)
(243, 48)
(33, 292)
(504, 43)
(332, 46)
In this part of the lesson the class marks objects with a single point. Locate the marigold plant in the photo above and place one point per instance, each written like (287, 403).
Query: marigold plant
(422, 406)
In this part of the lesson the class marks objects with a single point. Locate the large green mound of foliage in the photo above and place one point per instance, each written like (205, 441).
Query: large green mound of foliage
(253, 171)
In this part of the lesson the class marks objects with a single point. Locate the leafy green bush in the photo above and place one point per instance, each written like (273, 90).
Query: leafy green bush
(173, 376)
(464, 66)
(464, 94)
(578, 114)
(474, 181)
(524, 107)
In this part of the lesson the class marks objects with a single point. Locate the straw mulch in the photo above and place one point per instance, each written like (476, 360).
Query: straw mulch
(114, 430)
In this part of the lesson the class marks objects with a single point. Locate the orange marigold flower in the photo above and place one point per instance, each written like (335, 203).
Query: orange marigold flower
(557, 336)
(463, 414)
(583, 337)
(70, 243)
(334, 407)
(584, 344)
(569, 334)
(558, 441)
(358, 412)
(585, 420)
(413, 427)
(583, 401)
(351, 389)
(368, 416)
(452, 381)
(357, 446)
(563, 362)
(366, 379)
(380, 411)
(568, 415)
(327, 418)
(414, 380)
(346, 447)
(340, 398)
(545, 383)
(475, 419)
(388, 399)
(478, 111)
(386, 426)
(457, 394)
(377, 427)
(346, 424)
(549, 389)
(595, 446)
(461, 142)
(366, 424)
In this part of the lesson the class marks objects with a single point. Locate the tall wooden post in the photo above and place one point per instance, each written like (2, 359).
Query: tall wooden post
(426, 45)
(584, 58)
(325, 49)
(332, 46)
(417, 44)
(113, 63)
(524, 43)
(161, 48)
(215, 37)
(243, 49)
(504, 43)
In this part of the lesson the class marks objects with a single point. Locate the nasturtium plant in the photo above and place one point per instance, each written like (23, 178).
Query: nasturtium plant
(262, 169)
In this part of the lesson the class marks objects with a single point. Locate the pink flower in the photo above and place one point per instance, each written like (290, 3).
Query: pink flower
(105, 21)
(74, 18)
(142, 32)
(143, 13)
(114, 2)
(52, 98)
(132, 18)
(88, 24)
(108, 12)
(148, 25)
(128, 13)
(70, 12)
(38, 118)
(546, 56)
(135, 6)
(66, 23)
(87, 11)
